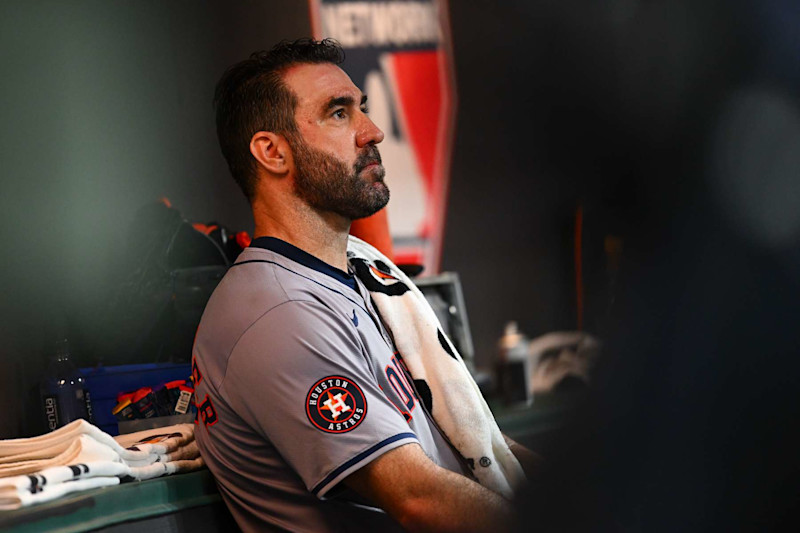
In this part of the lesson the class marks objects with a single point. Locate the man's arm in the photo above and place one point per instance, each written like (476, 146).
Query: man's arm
(423, 496)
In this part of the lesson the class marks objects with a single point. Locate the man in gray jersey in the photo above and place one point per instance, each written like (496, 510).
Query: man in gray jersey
(306, 415)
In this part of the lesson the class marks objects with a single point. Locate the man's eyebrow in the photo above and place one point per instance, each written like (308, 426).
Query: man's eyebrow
(344, 101)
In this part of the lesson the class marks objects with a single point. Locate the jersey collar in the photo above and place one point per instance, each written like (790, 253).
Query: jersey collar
(297, 255)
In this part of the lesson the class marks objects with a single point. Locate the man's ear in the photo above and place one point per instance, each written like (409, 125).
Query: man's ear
(271, 151)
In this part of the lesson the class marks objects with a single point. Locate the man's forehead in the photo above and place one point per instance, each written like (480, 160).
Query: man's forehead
(317, 83)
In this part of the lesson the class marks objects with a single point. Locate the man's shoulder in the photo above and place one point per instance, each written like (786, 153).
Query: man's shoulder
(276, 279)
(251, 286)
(263, 284)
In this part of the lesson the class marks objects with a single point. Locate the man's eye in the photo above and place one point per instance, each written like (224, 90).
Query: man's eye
(339, 113)
(365, 109)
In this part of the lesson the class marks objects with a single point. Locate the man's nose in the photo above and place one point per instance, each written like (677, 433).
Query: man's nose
(368, 133)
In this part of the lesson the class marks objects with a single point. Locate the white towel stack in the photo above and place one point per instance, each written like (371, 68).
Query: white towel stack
(79, 456)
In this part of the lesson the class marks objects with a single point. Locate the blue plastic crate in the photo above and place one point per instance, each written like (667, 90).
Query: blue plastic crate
(105, 382)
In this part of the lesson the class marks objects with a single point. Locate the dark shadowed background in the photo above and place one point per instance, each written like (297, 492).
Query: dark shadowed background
(673, 125)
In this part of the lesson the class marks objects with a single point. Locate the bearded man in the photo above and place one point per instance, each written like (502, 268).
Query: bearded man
(292, 364)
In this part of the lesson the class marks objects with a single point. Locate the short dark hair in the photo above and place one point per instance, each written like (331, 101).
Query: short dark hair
(251, 96)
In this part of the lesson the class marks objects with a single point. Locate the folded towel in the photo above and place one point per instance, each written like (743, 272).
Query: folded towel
(11, 498)
(449, 392)
(83, 448)
(158, 440)
(164, 469)
(173, 448)
(54, 482)
(92, 459)
(23, 463)
(557, 355)
(19, 456)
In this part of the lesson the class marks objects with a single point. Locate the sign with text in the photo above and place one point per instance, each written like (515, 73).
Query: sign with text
(398, 53)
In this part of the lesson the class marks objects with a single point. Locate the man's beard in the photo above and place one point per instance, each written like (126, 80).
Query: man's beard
(327, 184)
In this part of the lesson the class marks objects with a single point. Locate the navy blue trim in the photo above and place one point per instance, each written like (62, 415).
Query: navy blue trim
(354, 302)
(297, 255)
(330, 477)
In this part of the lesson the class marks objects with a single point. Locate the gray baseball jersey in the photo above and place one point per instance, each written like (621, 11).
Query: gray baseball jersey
(298, 386)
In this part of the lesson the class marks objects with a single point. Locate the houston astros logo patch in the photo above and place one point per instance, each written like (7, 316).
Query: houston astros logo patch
(336, 404)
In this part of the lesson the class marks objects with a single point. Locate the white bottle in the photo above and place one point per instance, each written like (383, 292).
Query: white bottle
(514, 371)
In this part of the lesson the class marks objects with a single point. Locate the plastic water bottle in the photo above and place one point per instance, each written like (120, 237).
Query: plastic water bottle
(65, 396)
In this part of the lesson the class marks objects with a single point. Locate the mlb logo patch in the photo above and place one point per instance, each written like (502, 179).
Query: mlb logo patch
(335, 404)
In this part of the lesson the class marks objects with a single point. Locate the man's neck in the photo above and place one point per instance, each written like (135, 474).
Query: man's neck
(321, 234)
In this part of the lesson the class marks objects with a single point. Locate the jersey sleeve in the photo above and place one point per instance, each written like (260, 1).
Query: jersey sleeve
(300, 377)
